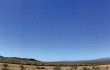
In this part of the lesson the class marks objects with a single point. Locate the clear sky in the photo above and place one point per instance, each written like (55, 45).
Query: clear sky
(52, 30)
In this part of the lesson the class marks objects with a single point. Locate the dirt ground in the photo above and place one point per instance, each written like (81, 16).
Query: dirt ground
(29, 67)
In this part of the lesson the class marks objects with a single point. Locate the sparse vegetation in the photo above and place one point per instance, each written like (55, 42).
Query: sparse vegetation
(40, 67)
(57, 68)
(85, 68)
(75, 67)
(23, 67)
(106, 67)
(95, 68)
(5, 67)
(23, 63)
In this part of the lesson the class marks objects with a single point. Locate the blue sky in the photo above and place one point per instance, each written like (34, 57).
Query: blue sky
(52, 30)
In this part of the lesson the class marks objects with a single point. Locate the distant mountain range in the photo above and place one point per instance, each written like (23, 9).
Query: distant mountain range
(100, 59)
(16, 60)
(92, 61)
(107, 58)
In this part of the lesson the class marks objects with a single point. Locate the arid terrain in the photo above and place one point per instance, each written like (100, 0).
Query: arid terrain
(15, 63)
(32, 67)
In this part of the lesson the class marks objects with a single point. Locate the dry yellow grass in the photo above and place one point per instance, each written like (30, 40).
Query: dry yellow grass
(30, 67)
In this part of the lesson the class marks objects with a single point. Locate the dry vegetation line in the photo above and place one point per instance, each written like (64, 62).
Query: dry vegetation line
(4, 66)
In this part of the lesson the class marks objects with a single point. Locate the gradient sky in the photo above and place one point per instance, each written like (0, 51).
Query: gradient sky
(52, 30)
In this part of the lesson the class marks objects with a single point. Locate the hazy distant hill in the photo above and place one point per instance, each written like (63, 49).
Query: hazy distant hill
(26, 61)
(92, 60)
(17, 60)
(100, 61)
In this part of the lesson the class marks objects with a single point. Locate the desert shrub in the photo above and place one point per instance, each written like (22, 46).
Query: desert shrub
(37, 67)
(42, 68)
(23, 67)
(71, 68)
(106, 67)
(85, 68)
(96, 68)
(5, 67)
(75, 67)
(57, 68)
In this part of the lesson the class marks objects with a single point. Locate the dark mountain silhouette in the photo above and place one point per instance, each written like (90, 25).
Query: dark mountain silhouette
(17, 60)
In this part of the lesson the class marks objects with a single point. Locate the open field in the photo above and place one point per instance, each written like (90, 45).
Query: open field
(32, 67)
